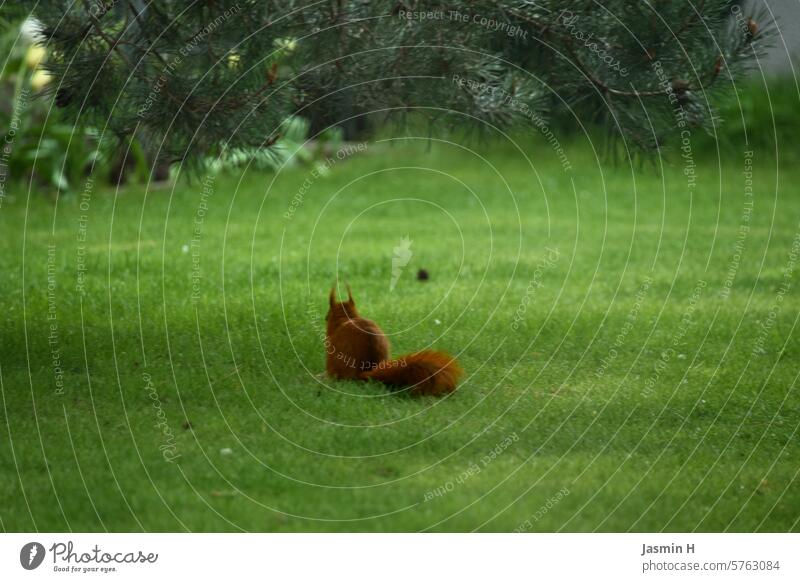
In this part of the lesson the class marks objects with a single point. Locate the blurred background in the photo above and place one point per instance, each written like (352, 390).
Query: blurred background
(47, 152)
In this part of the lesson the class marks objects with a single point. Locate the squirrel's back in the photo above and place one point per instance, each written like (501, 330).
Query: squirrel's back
(357, 349)
(355, 346)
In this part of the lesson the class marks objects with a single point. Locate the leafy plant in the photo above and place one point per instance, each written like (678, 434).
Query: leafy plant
(41, 146)
(294, 146)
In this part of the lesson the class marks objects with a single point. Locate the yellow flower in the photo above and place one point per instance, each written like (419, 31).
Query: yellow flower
(35, 55)
(233, 60)
(40, 79)
(286, 44)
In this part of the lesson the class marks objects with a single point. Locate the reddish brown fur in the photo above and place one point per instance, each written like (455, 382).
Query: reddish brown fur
(357, 349)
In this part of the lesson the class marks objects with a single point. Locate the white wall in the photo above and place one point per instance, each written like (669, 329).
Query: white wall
(787, 19)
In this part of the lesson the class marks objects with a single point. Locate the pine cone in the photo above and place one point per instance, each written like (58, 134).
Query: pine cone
(752, 28)
(681, 89)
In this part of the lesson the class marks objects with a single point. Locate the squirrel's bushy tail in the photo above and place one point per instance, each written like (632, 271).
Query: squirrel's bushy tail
(425, 373)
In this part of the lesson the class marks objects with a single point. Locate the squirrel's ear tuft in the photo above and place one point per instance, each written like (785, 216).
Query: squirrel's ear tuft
(332, 298)
(349, 293)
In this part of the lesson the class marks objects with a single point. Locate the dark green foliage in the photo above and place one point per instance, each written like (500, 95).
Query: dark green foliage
(188, 78)
(759, 115)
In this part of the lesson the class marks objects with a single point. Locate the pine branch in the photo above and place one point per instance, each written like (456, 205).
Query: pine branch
(199, 75)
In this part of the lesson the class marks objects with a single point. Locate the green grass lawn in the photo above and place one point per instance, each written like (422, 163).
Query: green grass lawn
(612, 383)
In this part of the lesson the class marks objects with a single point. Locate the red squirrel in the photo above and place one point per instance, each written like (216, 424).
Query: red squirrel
(359, 350)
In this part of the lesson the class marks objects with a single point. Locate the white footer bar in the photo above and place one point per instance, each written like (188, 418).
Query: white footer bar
(401, 557)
